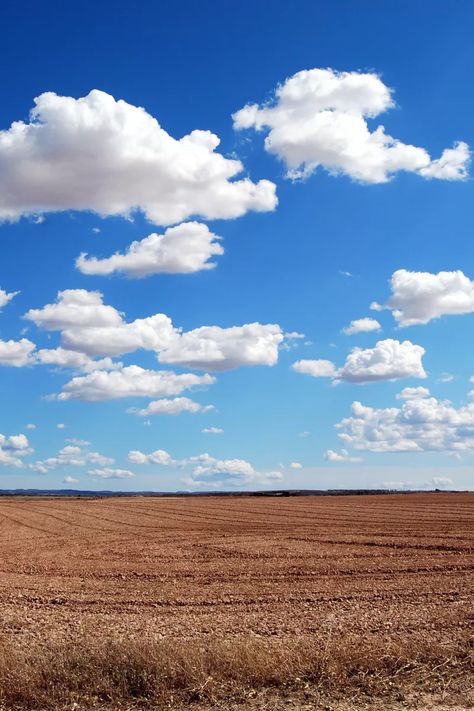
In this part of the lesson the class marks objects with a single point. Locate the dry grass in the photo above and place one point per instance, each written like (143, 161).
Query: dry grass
(87, 672)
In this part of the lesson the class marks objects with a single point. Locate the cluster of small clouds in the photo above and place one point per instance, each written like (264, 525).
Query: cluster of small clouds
(72, 455)
(205, 471)
(387, 360)
(318, 118)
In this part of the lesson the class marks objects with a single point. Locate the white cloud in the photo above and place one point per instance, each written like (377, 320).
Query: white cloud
(212, 430)
(361, 325)
(319, 118)
(70, 480)
(12, 449)
(30, 426)
(446, 378)
(61, 426)
(296, 465)
(72, 455)
(341, 456)
(421, 424)
(413, 393)
(388, 360)
(171, 407)
(317, 368)
(215, 348)
(130, 381)
(75, 308)
(5, 298)
(419, 297)
(89, 326)
(108, 473)
(72, 359)
(426, 485)
(182, 249)
(159, 456)
(205, 471)
(95, 153)
(78, 442)
(16, 353)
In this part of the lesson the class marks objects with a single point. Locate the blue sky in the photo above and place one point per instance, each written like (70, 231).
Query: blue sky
(305, 252)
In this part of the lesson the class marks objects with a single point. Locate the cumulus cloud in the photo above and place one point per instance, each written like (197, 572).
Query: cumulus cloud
(215, 348)
(108, 473)
(130, 381)
(70, 480)
(296, 465)
(16, 353)
(13, 448)
(72, 455)
(182, 249)
(361, 325)
(174, 406)
(421, 424)
(205, 471)
(72, 359)
(108, 156)
(420, 297)
(341, 456)
(317, 368)
(318, 118)
(5, 298)
(212, 430)
(89, 326)
(388, 360)
(159, 456)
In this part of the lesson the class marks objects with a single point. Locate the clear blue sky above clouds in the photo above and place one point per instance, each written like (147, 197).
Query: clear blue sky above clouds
(310, 266)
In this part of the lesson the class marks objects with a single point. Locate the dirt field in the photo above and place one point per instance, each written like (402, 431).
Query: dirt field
(343, 575)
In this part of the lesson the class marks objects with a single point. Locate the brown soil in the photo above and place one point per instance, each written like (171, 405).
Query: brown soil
(339, 574)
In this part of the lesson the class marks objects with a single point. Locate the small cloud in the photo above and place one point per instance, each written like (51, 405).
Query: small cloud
(30, 426)
(78, 442)
(70, 480)
(61, 426)
(361, 325)
(38, 219)
(212, 430)
(342, 456)
(96, 230)
(346, 274)
(445, 378)
(296, 465)
(304, 434)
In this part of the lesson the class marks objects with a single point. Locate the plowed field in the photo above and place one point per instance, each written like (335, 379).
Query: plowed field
(342, 569)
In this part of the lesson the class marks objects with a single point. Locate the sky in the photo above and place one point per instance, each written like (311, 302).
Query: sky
(237, 245)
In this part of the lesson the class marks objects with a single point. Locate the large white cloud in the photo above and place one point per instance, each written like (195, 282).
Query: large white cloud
(388, 360)
(88, 326)
(12, 449)
(96, 153)
(319, 118)
(421, 424)
(174, 406)
(17, 353)
(419, 297)
(182, 249)
(130, 381)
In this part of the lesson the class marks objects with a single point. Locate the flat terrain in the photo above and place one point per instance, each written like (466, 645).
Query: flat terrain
(341, 572)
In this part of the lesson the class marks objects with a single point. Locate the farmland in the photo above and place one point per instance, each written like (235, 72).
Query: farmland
(360, 597)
